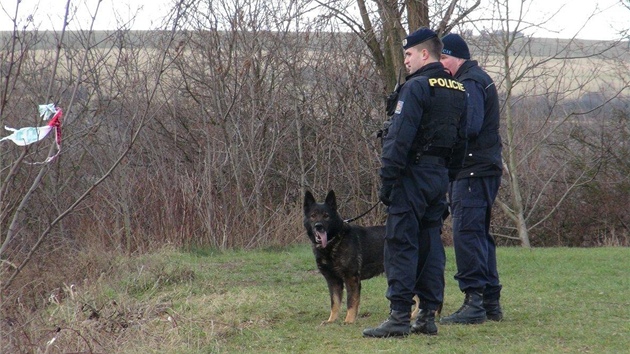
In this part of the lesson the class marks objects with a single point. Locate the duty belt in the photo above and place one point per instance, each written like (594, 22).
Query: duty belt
(436, 160)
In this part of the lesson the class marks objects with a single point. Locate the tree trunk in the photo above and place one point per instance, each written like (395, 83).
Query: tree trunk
(420, 11)
(517, 211)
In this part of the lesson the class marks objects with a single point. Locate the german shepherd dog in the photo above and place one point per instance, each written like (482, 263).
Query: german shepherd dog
(345, 254)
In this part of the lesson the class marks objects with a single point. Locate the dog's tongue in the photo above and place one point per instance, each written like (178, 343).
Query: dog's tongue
(323, 236)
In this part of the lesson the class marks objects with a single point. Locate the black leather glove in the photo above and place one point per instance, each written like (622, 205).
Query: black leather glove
(385, 193)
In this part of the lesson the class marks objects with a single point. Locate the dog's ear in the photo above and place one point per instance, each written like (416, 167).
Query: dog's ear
(308, 200)
(331, 200)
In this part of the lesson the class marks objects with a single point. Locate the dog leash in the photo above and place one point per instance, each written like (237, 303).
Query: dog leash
(362, 215)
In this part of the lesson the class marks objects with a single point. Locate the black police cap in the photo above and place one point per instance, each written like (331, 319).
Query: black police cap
(417, 37)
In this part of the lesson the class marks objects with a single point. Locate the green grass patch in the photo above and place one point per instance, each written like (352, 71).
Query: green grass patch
(555, 300)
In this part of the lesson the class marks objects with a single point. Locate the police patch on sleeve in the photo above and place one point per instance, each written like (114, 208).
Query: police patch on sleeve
(399, 106)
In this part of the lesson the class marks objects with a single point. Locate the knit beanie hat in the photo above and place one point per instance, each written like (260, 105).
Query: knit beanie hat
(455, 46)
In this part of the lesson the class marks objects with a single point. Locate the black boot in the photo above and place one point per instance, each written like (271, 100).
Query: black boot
(397, 325)
(493, 309)
(425, 323)
(471, 312)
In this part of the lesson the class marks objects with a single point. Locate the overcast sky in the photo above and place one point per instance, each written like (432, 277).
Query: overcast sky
(610, 18)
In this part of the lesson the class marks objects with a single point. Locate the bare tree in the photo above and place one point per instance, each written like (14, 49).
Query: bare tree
(539, 80)
(268, 109)
(382, 24)
(71, 67)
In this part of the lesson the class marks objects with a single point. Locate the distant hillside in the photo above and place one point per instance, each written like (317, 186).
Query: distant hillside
(546, 47)
(541, 47)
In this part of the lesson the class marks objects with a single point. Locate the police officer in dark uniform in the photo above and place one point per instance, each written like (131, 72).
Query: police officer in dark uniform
(474, 188)
(414, 177)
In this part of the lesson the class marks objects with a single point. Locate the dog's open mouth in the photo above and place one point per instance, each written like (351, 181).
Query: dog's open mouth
(321, 237)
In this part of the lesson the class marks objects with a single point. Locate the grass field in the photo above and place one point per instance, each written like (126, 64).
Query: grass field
(555, 300)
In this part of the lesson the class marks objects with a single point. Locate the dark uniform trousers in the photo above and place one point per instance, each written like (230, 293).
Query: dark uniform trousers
(414, 253)
(475, 250)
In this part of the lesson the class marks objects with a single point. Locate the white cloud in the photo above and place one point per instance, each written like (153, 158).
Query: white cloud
(602, 19)
(49, 14)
